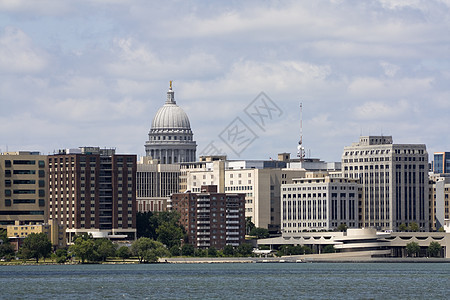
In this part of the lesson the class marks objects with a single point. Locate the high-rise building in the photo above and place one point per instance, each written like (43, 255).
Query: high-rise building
(155, 183)
(320, 201)
(394, 179)
(211, 219)
(441, 163)
(23, 188)
(93, 190)
(259, 180)
(170, 139)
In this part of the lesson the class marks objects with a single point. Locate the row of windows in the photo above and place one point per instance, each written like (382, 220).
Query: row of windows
(24, 172)
(41, 163)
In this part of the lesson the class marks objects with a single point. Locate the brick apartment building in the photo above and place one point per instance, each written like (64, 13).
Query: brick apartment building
(211, 219)
(93, 190)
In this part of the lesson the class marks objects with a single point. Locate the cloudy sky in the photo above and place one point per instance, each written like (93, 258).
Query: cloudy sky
(78, 73)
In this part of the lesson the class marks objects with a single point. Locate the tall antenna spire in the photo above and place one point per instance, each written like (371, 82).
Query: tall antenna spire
(300, 148)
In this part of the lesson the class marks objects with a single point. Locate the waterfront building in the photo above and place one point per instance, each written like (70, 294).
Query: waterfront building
(394, 179)
(439, 197)
(93, 190)
(441, 163)
(55, 232)
(211, 219)
(260, 181)
(320, 201)
(23, 188)
(170, 139)
(155, 183)
(363, 242)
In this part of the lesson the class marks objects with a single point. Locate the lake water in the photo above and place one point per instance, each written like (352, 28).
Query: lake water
(228, 281)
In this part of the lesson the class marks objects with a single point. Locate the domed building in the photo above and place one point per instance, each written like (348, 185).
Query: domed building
(170, 139)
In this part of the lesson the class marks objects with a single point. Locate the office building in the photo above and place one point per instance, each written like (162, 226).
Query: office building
(260, 181)
(394, 179)
(320, 202)
(439, 201)
(441, 163)
(211, 219)
(155, 183)
(23, 188)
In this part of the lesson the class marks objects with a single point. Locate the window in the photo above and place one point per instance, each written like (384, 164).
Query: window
(7, 202)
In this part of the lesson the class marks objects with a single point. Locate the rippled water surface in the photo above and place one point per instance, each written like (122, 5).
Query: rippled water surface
(228, 281)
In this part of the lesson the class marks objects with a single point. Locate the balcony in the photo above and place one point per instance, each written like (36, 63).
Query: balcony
(203, 205)
(202, 233)
(203, 228)
(203, 244)
(199, 211)
(232, 216)
(232, 233)
(203, 239)
(232, 227)
(233, 211)
(232, 239)
(232, 222)
(203, 222)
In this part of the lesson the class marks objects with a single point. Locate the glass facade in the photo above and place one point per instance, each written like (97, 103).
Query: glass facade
(441, 164)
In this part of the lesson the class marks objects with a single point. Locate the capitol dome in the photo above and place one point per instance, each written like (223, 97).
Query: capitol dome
(171, 116)
(170, 139)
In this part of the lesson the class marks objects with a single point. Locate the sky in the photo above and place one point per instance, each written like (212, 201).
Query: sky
(94, 73)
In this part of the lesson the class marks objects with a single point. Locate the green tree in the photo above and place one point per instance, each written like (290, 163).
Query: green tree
(123, 252)
(259, 233)
(249, 225)
(36, 245)
(307, 250)
(61, 255)
(342, 227)
(104, 248)
(441, 229)
(328, 249)
(169, 234)
(201, 252)
(212, 251)
(402, 227)
(412, 249)
(175, 250)
(83, 248)
(228, 250)
(187, 250)
(245, 249)
(147, 250)
(413, 226)
(6, 249)
(434, 249)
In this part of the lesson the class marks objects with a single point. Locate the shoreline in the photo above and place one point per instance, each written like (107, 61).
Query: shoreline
(315, 258)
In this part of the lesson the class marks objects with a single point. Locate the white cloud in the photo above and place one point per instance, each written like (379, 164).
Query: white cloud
(389, 69)
(380, 110)
(18, 54)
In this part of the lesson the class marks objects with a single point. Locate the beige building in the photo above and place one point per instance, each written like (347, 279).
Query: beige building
(155, 183)
(56, 232)
(23, 188)
(439, 198)
(394, 179)
(320, 201)
(260, 181)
